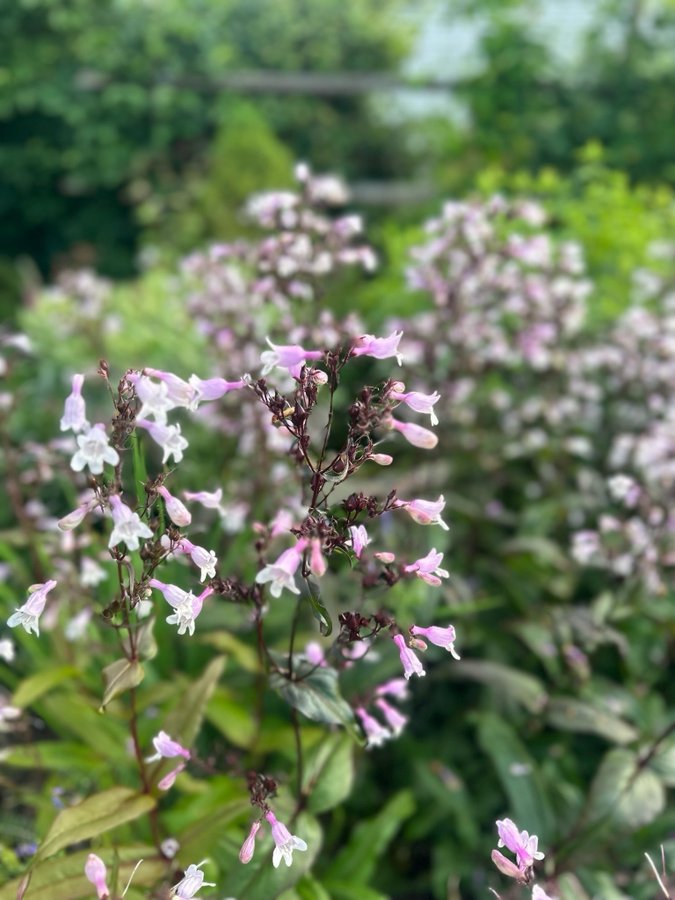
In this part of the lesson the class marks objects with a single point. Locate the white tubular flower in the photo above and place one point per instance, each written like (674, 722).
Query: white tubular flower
(94, 451)
(128, 527)
(191, 882)
(29, 614)
(168, 437)
(75, 414)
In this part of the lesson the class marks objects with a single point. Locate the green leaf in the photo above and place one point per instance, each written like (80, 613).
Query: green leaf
(312, 592)
(524, 689)
(92, 817)
(575, 715)
(621, 791)
(56, 756)
(145, 643)
(205, 831)
(663, 762)
(41, 683)
(140, 470)
(63, 878)
(316, 696)
(329, 772)
(518, 774)
(258, 880)
(184, 722)
(307, 888)
(231, 718)
(368, 841)
(120, 676)
(226, 642)
(542, 549)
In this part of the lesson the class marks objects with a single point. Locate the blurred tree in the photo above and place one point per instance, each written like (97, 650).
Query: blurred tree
(105, 102)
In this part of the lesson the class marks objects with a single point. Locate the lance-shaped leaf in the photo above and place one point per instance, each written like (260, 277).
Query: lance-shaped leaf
(120, 676)
(329, 772)
(312, 592)
(575, 715)
(518, 686)
(31, 689)
(314, 692)
(629, 796)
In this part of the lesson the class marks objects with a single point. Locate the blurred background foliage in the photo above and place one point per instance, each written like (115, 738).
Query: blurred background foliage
(122, 149)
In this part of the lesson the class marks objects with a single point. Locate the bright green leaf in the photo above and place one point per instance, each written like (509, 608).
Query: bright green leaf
(120, 676)
(41, 683)
(329, 772)
(575, 715)
(316, 696)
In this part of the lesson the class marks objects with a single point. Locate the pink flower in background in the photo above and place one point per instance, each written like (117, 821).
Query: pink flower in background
(281, 574)
(191, 882)
(248, 847)
(167, 748)
(179, 391)
(395, 687)
(540, 894)
(287, 356)
(359, 539)
(424, 512)
(154, 397)
(210, 500)
(428, 568)
(414, 434)
(127, 525)
(519, 842)
(379, 348)
(164, 784)
(421, 403)
(176, 510)
(94, 450)
(314, 654)
(213, 388)
(75, 414)
(376, 734)
(441, 637)
(285, 842)
(168, 437)
(77, 516)
(317, 561)
(29, 614)
(395, 720)
(95, 872)
(505, 866)
(410, 662)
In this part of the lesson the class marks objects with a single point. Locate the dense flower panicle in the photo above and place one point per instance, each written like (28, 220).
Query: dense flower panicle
(287, 356)
(94, 451)
(285, 842)
(168, 437)
(176, 510)
(395, 720)
(424, 512)
(248, 847)
(167, 748)
(410, 662)
(428, 568)
(414, 434)
(379, 348)
(29, 614)
(441, 637)
(359, 539)
(191, 882)
(96, 873)
(376, 734)
(128, 527)
(75, 414)
(519, 842)
(281, 574)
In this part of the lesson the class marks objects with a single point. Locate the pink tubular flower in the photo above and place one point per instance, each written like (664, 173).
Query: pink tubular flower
(424, 512)
(421, 403)
(213, 388)
(505, 866)
(74, 413)
(210, 500)
(76, 517)
(428, 568)
(415, 434)
(521, 843)
(395, 687)
(382, 459)
(314, 654)
(441, 637)
(285, 842)
(95, 872)
(395, 720)
(29, 614)
(376, 734)
(410, 662)
(379, 348)
(186, 606)
(164, 784)
(154, 397)
(317, 562)
(385, 557)
(127, 525)
(167, 748)
(168, 437)
(248, 847)
(191, 882)
(205, 560)
(281, 574)
(179, 391)
(359, 539)
(287, 356)
(176, 510)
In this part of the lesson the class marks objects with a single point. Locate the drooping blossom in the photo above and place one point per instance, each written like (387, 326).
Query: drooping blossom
(281, 574)
(167, 748)
(376, 734)
(205, 560)
(75, 414)
(359, 539)
(424, 512)
(209, 389)
(379, 348)
(317, 561)
(185, 605)
(77, 516)
(410, 662)
(285, 842)
(179, 391)
(428, 568)
(395, 687)
(421, 403)
(177, 511)
(395, 720)
(506, 866)
(128, 527)
(414, 434)
(441, 637)
(94, 450)
(167, 782)
(191, 882)
(29, 614)
(287, 356)
(208, 499)
(168, 437)
(519, 842)
(96, 873)
(248, 847)
(154, 397)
